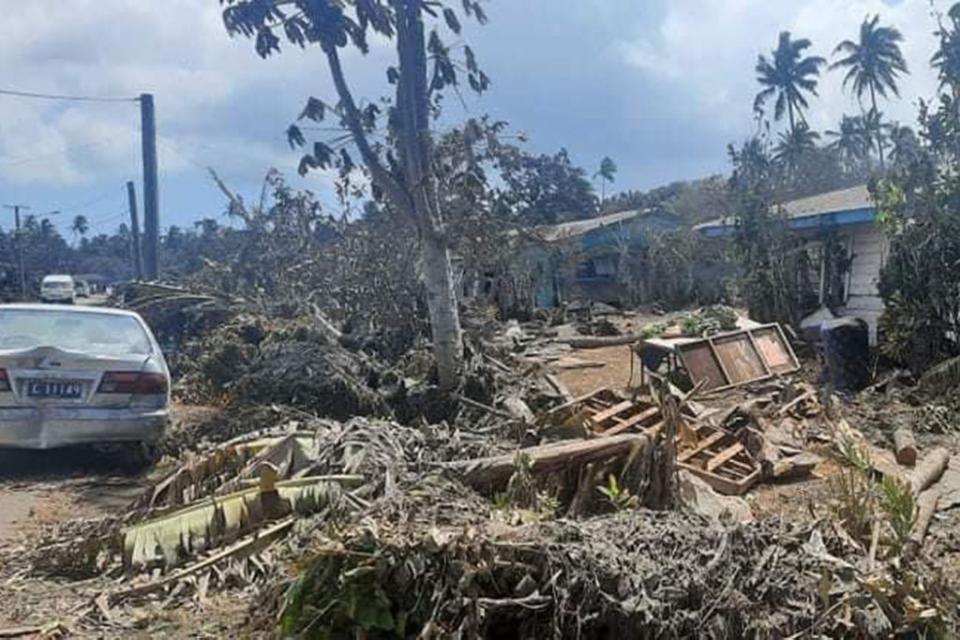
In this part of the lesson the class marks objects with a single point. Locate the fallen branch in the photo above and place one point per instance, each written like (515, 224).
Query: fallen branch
(495, 471)
(253, 544)
(559, 387)
(485, 407)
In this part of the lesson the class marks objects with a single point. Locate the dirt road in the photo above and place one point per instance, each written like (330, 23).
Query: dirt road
(38, 488)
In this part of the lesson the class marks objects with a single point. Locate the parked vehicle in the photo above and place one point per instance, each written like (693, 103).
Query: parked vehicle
(81, 289)
(79, 375)
(58, 288)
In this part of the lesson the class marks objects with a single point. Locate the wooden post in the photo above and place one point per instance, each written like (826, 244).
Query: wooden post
(134, 231)
(151, 198)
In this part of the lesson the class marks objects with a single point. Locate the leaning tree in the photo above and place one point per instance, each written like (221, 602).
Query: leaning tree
(391, 138)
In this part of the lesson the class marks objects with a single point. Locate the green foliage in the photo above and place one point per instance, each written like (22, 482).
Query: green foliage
(619, 497)
(709, 321)
(897, 503)
(946, 60)
(652, 330)
(768, 275)
(341, 596)
(919, 210)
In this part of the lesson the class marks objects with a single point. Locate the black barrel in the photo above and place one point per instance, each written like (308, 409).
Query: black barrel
(846, 353)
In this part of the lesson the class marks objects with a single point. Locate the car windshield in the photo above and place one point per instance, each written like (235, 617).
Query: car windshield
(93, 333)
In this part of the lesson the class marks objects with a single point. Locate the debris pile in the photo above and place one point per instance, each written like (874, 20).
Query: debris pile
(373, 505)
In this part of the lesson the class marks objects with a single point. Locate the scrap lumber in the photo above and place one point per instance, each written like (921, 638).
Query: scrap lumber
(929, 470)
(727, 454)
(722, 461)
(495, 471)
(558, 386)
(485, 407)
(596, 342)
(803, 397)
(905, 446)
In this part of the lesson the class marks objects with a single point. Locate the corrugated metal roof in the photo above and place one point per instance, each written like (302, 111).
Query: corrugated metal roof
(852, 199)
(576, 228)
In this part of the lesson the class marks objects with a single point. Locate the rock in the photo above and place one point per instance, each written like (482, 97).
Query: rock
(700, 496)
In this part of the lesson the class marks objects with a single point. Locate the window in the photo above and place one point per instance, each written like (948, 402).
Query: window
(98, 333)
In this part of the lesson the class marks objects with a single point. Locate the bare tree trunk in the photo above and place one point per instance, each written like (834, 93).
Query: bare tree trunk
(873, 100)
(442, 304)
(416, 148)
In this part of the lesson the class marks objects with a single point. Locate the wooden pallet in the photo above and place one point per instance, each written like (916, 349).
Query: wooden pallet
(721, 460)
(606, 413)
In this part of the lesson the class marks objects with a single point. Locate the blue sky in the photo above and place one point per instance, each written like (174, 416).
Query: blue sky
(661, 86)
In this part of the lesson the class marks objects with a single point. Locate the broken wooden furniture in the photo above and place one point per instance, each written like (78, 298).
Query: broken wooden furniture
(720, 459)
(724, 360)
(604, 412)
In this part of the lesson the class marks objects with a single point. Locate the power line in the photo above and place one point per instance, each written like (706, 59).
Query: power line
(81, 205)
(54, 96)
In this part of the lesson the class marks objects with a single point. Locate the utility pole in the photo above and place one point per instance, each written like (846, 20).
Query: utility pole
(16, 217)
(151, 199)
(134, 230)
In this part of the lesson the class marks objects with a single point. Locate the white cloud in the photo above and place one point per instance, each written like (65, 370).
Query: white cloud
(211, 91)
(705, 50)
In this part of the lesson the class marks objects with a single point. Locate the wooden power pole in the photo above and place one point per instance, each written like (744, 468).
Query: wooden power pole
(151, 198)
(134, 231)
(23, 274)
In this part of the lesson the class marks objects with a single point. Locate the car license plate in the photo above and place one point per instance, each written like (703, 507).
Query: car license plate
(54, 389)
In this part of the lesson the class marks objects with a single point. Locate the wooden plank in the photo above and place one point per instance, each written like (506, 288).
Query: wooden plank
(756, 347)
(724, 455)
(710, 440)
(629, 422)
(597, 418)
(740, 360)
(716, 356)
(701, 363)
(578, 400)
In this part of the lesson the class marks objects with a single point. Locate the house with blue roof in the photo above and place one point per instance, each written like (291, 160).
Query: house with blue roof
(848, 218)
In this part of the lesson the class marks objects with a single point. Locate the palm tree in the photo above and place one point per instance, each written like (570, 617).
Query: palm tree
(904, 146)
(80, 226)
(788, 75)
(873, 63)
(793, 145)
(947, 58)
(850, 141)
(607, 172)
(875, 130)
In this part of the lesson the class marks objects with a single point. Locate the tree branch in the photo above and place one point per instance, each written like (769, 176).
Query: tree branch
(391, 187)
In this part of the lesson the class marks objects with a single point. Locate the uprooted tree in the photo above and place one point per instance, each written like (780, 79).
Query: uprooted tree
(400, 165)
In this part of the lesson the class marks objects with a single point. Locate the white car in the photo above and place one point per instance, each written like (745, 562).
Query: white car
(79, 375)
(58, 288)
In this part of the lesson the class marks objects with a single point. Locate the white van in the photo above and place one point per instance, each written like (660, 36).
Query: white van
(58, 288)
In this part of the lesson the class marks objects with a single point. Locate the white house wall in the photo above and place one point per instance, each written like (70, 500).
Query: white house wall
(869, 248)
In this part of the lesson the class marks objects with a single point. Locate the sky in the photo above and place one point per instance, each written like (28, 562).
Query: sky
(660, 86)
